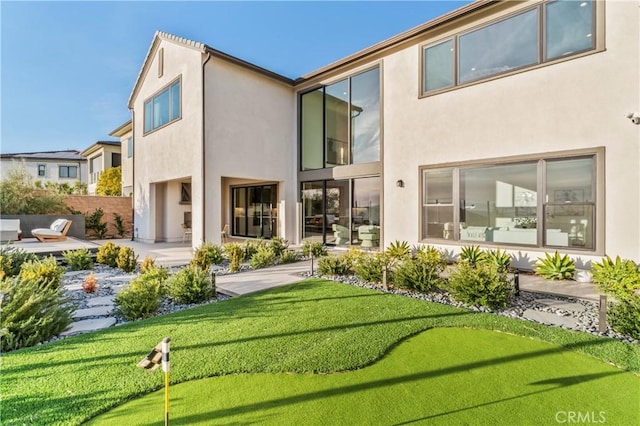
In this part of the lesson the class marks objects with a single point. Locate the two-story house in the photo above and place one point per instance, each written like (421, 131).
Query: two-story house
(66, 166)
(501, 124)
(101, 156)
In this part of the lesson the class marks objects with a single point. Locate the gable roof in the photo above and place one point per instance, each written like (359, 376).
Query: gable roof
(94, 147)
(376, 48)
(202, 48)
(69, 155)
(122, 129)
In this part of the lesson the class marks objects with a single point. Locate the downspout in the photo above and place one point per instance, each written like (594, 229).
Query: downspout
(133, 173)
(202, 170)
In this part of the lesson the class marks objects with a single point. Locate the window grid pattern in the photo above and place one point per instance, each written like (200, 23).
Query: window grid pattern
(549, 31)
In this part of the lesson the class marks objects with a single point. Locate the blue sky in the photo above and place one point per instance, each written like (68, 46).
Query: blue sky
(67, 68)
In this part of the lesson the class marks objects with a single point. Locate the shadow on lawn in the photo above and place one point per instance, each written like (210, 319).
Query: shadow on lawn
(344, 390)
(560, 382)
(42, 408)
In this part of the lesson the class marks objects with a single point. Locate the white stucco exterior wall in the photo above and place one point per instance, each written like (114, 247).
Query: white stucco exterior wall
(250, 135)
(580, 103)
(170, 153)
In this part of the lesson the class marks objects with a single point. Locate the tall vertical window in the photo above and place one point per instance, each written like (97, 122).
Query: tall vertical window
(548, 202)
(365, 117)
(336, 105)
(42, 169)
(162, 108)
(438, 72)
(551, 30)
(129, 147)
(437, 204)
(116, 159)
(340, 123)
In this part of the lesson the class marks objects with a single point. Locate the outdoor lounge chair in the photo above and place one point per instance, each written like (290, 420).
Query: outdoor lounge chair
(56, 232)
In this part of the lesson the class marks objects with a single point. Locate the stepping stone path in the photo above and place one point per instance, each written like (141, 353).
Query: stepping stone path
(560, 304)
(558, 313)
(550, 318)
(97, 311)
(89, 325)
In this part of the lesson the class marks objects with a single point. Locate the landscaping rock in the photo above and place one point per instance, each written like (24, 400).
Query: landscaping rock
(564, 305)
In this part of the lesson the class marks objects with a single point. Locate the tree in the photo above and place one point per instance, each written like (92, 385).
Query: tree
(109, 182)
(19, 195)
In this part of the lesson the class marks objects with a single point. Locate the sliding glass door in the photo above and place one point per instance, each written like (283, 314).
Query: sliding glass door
(255, 211)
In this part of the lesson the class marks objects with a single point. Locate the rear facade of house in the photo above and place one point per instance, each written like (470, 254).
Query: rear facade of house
(501, 124)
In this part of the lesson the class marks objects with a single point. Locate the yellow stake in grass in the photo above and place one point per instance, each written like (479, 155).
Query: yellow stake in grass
(160, 355)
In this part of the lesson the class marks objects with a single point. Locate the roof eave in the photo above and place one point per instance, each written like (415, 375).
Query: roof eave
(397, 39)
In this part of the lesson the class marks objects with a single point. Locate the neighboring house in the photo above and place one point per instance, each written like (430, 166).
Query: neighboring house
(66, 166)
(125, 133)
(101, 156)
(500, 124)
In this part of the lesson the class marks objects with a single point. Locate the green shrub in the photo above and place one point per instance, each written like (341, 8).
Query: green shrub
(617, 278)
(399, 250)
(236, 254)
(500, 259)
(624, 316)
(108, 254)
(119, 223)
(78, 260)
(369, 268)
(191, 285)
(289, 256)
(32, 311)
(141, 298)
(93, 222)
(333, 265)
(206, 255)
(262, 258)
(480, 285)
(11, 260)
(313, 248)
(555, 267)
(46, 271)
(278, 245)
(472, 255)
(155, 273)
(353, 256)
(127, 259)
(251, 247)
(422, 272)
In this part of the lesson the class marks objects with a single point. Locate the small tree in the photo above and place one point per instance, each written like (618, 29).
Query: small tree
(19, 195)
(109, 182)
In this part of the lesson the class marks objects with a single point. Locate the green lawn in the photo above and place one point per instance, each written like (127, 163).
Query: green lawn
(314, 326)
(443, 376)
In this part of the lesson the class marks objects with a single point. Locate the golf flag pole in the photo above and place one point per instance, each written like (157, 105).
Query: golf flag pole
(165, 368)
(160, 356)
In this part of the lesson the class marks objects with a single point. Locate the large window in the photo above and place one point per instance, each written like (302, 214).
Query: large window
(546, 202)
(340, 123)
(68, 171)
(255, 211)
(162, 108)
(556, 29)
(342, 212)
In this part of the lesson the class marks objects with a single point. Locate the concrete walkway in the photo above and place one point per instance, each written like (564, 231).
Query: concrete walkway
(261, 279)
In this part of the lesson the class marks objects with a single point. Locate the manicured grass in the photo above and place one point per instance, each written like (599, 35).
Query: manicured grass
(314, 326)
(442, 376)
